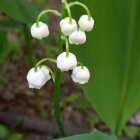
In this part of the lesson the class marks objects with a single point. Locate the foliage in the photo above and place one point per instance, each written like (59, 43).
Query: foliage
(21, 10)
(3, 44)
(24, 12)
(5, 133)
(94, 135)
(131, 131)
(112, 55)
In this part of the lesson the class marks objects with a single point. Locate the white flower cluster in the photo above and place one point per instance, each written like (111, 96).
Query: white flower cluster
(66, 61)
(77, 34)
(80, 74)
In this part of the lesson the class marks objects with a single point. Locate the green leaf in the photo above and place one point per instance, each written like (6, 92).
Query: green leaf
(131, 131)
(94, 135)
(4, 132)
(72, 98)
(22, 10)
(3, 44)
(7, 22)
(15, 136)
(112, 54)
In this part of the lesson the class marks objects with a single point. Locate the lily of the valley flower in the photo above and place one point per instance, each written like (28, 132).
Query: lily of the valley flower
(80, 74)
(86, 24)
(38, 78)
(77, 37)
(66, 63)
(66, 27)
(39, 31)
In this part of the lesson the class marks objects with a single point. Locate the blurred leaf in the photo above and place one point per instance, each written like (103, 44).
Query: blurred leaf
(92, 118)
(15, 136)
(112, 54)
(72, 98)
(81, 104)
(3, 44)
(4, 132)
(7, 22)
(21, 10)
(131, 131)
(94, 135)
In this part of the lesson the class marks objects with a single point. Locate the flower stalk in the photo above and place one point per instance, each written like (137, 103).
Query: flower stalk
(67, 45)
(57, 88)
(82, 5)
(55, 12)
(70, 33)
(68, 10)
(79, 63)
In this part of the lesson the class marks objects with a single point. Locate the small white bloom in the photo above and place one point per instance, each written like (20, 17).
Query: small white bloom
(41, 31)
(46, 71)
(65, 63)
(66, 27)
(78, 37)
(37, 79)
(80, 75)
(86, 24)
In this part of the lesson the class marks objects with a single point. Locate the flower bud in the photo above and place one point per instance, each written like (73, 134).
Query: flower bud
(86, 24)
(37, 79)
(65, 63)
(66, 27)
(41, 31)
(77, 37)
(80, 75)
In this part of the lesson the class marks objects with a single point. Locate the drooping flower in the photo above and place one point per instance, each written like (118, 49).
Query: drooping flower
(86, 24)
(77, 37)
(37, 79)
(66, 27)
(66, 63)
(41, 31)
(80, 75)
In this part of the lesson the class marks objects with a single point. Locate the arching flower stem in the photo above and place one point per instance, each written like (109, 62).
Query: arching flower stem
(68, 10)
(67, 45)
(55, 12)
(82, 5)
(43, 60)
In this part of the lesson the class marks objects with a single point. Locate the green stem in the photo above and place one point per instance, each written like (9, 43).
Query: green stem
(57, 89)
(68, 10)
(55, 12)
(31, 57)
(43, 60)
(79, 63)
(82, 5)
(67, 45)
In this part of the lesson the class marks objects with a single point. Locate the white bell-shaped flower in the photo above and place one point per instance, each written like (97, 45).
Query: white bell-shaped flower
(37, 79)
(80, 75)
(66, 27)
(41, 31)
(77, 37)
(86, 24)
(46, 71)
(65, 63)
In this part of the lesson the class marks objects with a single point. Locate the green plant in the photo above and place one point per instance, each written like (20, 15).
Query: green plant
(131, 131)
(23, 14)
(94, 135)
(112, 55)
(6, 134)
(40, 74)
